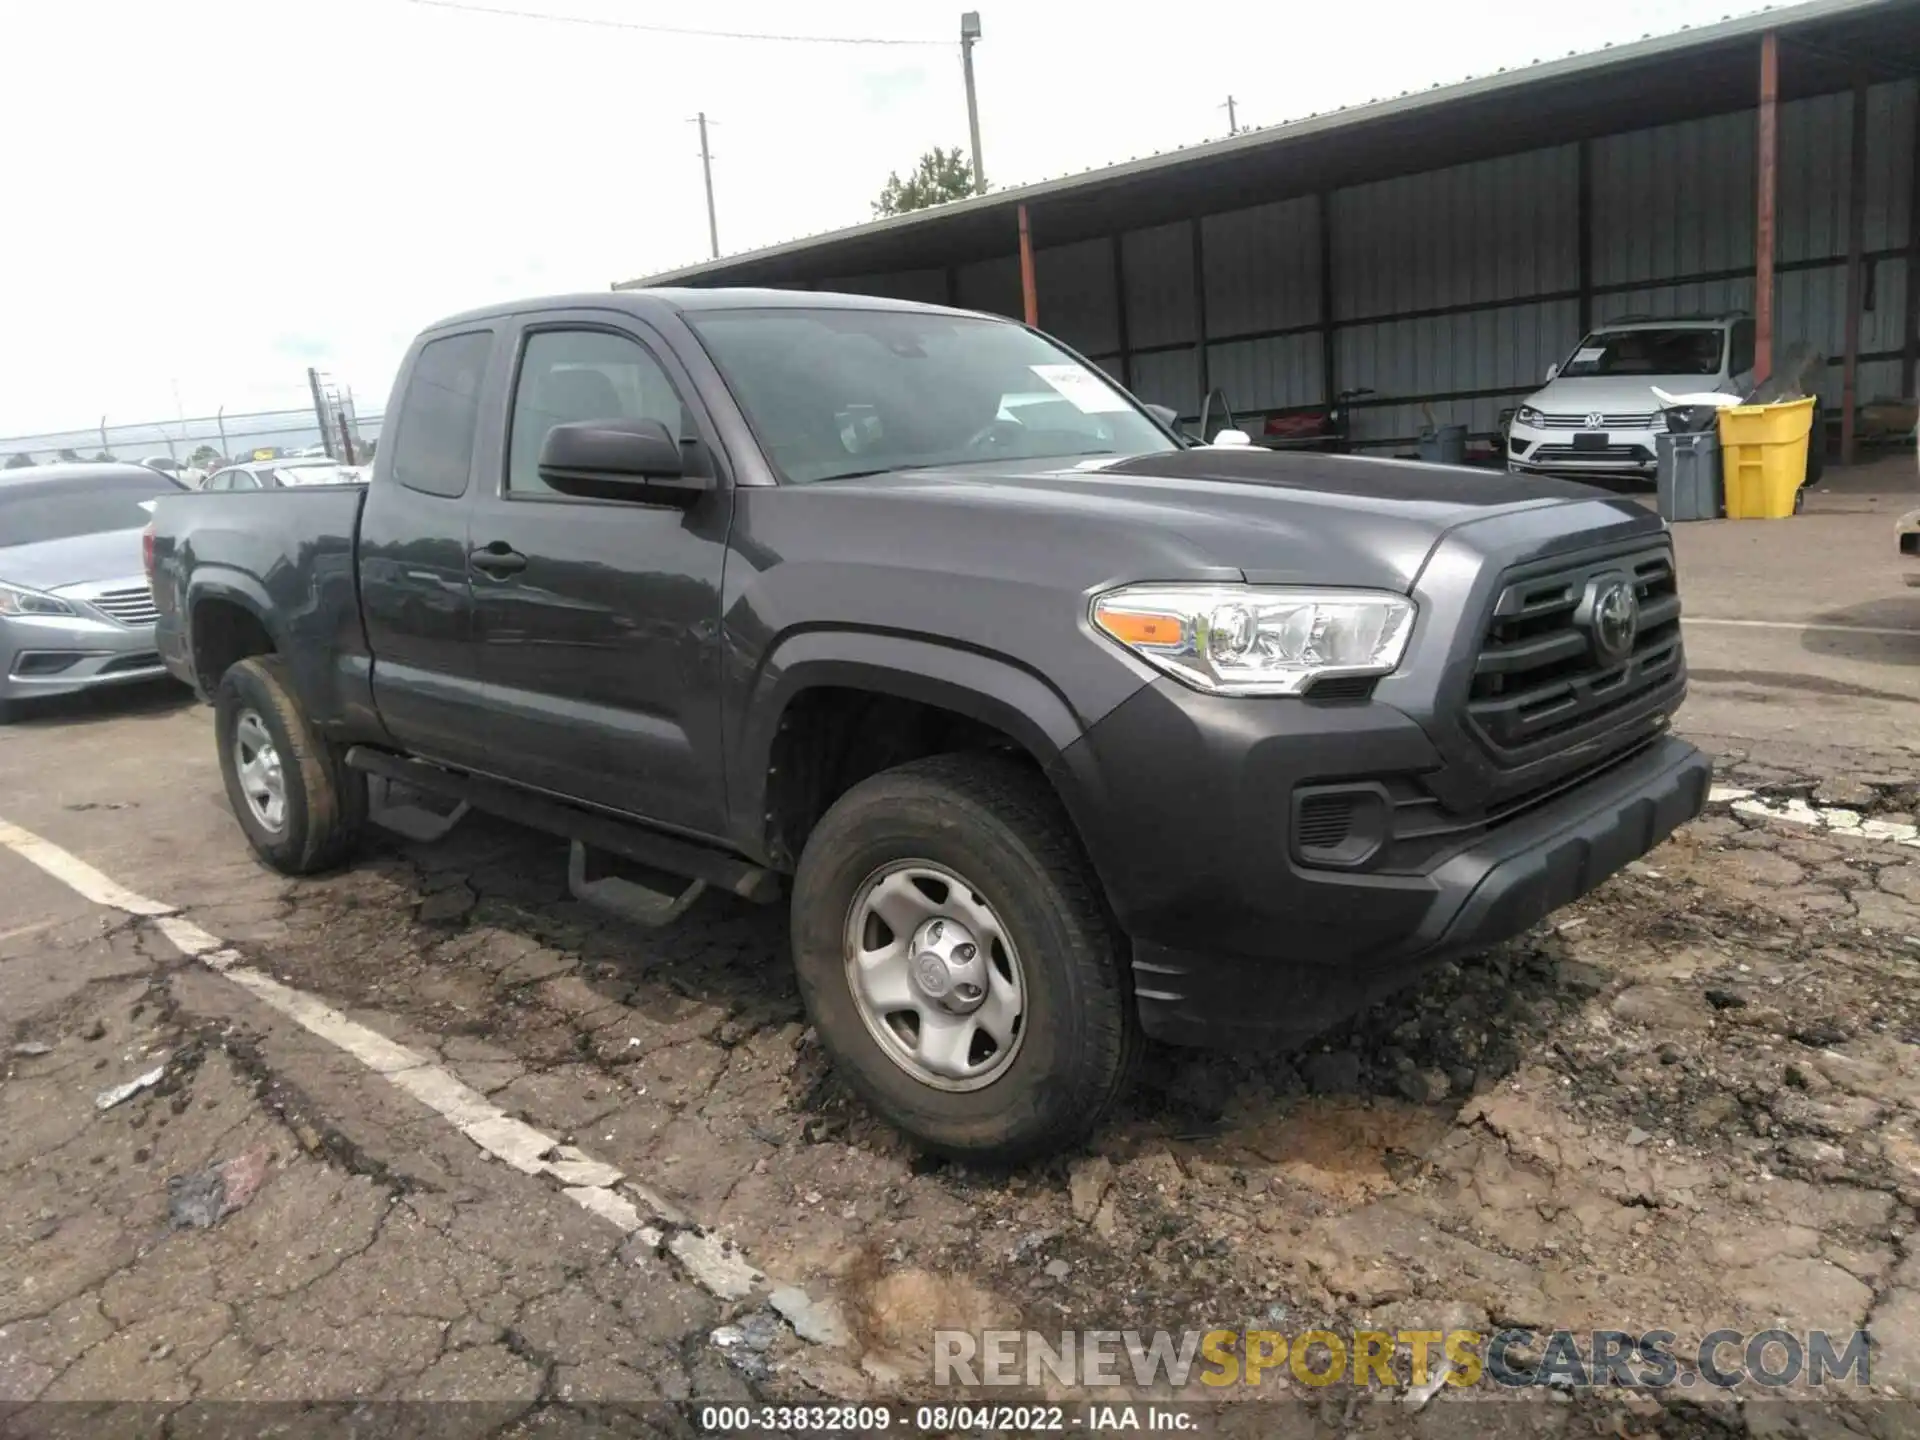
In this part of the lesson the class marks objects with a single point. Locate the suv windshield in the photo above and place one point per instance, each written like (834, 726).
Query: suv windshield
(35, 511)
(833, 393)
(1693, 350)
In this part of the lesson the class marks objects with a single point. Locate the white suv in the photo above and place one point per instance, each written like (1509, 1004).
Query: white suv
(1597, 415)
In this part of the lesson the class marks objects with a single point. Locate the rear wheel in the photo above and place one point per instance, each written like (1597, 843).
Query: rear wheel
(958, 962)
(301, 808)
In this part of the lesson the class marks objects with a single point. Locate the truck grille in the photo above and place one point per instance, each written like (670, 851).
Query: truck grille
(129, 607)
(1541, 678)
(1625, 420)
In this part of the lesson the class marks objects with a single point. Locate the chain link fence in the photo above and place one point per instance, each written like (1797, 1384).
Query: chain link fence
(204, 442)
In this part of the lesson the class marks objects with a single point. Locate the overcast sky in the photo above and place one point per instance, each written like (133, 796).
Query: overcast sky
(211, 195)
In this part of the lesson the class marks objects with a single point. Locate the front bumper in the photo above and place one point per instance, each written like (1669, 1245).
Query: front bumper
(1535, 451)
(1235, 941)
(45, 655)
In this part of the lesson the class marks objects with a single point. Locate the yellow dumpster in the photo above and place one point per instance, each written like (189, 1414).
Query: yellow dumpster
(1763, 456)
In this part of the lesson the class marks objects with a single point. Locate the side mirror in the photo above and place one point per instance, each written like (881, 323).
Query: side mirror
(1553, 373)
(1166, 415)
(619, 460)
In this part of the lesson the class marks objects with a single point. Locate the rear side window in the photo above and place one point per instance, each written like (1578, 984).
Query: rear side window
(433, 448)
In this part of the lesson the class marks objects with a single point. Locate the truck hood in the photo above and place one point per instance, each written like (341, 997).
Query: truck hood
(76, 560)
(1276, 518)
(1615, 394)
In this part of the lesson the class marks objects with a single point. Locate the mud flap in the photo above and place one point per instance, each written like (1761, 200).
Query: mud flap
(640, 901)
(400, 808)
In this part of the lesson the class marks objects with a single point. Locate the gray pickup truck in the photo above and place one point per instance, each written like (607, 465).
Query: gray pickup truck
(1055, 728)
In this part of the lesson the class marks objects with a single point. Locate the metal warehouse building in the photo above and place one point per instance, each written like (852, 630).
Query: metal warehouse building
(1442, 249)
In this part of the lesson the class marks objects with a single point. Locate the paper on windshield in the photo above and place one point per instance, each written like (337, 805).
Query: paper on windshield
(1083, 389)
(1590, 355)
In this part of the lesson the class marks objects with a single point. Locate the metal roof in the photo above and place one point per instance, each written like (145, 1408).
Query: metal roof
(1702, 70)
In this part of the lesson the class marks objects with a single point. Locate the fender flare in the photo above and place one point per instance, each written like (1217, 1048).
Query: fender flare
(991, 689)
(234, 587)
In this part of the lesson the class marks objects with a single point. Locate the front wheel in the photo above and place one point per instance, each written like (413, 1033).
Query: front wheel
(302, 810)
(958, 962)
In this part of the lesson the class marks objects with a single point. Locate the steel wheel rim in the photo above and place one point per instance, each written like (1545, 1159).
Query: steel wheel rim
(935, 975)
(256, 765)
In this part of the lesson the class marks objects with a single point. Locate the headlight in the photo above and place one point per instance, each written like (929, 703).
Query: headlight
(16, 601)
(1527, 415)
(1257, 639)
(1659, 420)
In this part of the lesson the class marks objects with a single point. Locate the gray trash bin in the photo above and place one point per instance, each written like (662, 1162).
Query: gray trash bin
(1446, 445)
(1689, 476)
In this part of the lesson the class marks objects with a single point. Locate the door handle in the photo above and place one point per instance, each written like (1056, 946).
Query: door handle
(498, 559)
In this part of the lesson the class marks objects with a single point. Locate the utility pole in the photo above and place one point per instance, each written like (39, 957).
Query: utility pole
(706, 168)
(969, 33)
(1233, 123)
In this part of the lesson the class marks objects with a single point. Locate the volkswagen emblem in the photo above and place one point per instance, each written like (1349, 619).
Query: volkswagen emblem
(1610, 614)
(1596, 421)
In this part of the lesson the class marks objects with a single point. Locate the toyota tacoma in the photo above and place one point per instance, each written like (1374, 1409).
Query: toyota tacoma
(1053, 728)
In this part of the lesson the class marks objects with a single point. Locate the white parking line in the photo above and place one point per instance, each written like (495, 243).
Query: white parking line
(1802, 625)
(716, 1265)
(1795, 811)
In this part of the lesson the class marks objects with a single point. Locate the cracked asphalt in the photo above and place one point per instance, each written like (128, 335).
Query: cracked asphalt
(1690, 1101)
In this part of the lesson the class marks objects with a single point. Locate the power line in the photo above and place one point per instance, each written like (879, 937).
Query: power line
(603, 24)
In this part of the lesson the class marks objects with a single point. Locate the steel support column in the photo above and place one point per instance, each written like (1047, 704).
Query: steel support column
(1029, 297)
(1329, 352)
(1910, 348)
(1856, 274)
(1585, 213)
(1200, 311)
(1120, 311)
(1768, 174)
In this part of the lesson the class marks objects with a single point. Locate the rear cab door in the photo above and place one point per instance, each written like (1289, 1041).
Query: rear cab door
(416, 596)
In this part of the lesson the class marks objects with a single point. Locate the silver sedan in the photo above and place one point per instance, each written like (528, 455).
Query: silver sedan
(75, 608)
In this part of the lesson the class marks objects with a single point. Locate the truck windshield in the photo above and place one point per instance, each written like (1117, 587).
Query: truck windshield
(35, 511)
(1690, 351)
(832, 393)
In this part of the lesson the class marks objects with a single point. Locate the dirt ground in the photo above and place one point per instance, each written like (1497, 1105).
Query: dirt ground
(1690, 1102)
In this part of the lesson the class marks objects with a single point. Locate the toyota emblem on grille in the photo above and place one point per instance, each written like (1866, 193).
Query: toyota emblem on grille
(1610, 614)
(1596, 420)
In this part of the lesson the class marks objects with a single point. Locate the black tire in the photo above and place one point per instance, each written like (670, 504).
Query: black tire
(9, 711)
(325, 802)
(997, 824)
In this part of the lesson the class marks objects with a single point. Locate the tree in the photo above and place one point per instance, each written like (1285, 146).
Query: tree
(21, 461)
(203, 457)
(70, 457)
(941, 175)
(103, 458)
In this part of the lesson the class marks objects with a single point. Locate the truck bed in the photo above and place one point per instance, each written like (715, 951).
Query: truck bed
(286, 555)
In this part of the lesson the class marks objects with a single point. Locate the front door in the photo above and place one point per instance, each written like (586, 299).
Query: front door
(598, 620)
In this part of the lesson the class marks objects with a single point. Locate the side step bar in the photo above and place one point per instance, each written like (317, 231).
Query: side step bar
(409, 821)
(650, 848)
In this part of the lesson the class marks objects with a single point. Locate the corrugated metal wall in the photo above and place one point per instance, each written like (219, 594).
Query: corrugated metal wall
(1453, 290)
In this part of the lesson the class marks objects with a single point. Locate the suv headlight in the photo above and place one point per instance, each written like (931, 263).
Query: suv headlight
(1257, 639)
(1527, 415)
(16, 600)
